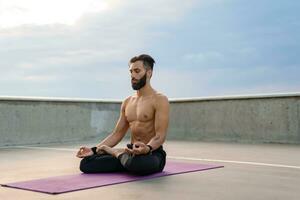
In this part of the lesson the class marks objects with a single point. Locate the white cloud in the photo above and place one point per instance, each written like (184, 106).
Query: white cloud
(39, 12)
(50, 57)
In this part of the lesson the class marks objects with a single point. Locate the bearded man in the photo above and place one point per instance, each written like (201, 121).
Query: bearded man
(146, 114)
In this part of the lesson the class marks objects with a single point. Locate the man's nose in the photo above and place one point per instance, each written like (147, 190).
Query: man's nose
(133, 77)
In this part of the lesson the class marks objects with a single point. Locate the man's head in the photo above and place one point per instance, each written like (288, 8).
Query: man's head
(141, 68)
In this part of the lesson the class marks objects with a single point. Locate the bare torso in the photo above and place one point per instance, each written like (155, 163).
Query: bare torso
(140, 113)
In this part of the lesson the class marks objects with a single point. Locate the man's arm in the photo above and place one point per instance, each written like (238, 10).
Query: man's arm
(120, 129)
(161, 122)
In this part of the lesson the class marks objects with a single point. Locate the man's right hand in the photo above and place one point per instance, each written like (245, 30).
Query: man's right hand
(84, 152)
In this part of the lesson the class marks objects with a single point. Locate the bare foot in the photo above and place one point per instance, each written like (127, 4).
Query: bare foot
(112, 151)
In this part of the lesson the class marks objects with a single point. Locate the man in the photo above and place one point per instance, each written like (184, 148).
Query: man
(146, 113)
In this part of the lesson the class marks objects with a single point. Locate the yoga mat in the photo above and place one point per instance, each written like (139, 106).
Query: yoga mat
(69, 183)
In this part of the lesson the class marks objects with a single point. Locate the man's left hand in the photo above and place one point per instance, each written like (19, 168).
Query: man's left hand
(139, 148)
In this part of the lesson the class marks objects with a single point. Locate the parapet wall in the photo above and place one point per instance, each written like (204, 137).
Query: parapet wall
(252, 119)
(46, 120)
(259, 119)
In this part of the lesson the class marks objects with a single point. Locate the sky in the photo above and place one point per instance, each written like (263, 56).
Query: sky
(81, 48)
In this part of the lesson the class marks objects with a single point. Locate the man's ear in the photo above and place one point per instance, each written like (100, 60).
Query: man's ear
(149, 73)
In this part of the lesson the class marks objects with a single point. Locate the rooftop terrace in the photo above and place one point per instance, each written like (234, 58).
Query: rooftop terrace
(255, 137)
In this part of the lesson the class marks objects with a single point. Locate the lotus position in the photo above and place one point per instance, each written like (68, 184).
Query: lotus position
(146, 114)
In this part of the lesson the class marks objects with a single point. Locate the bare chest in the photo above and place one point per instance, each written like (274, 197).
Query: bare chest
(140, 110)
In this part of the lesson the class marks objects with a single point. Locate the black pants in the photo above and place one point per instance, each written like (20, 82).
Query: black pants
(136, 164)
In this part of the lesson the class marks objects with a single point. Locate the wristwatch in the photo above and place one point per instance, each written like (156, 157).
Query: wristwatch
(94, 149)
(150, 147)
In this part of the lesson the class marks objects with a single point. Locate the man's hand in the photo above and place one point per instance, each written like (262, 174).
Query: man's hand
(101, 149)
(84, 152)
(138, 148)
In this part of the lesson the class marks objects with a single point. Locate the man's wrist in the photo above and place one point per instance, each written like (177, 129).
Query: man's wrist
(150, 148)
(94, 149)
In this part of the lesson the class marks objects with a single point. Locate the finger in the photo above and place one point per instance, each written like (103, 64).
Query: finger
(136, 151)
(127, 150)
(136, 145)
(82, 150)
(138, 148)
(79, 156)
(85, 148)
(78, 153)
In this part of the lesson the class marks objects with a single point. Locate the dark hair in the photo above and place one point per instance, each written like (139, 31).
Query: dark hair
(148, 61)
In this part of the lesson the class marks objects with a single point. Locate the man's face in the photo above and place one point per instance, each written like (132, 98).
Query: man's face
(138, 75)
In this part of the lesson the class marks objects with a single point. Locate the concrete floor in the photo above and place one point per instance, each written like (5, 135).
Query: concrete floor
(265, 171)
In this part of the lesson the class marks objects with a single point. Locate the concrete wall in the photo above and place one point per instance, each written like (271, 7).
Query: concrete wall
(254, 119)
(258, 119)
(41, 120)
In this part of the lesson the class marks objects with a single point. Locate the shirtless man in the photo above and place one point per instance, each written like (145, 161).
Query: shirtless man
(146, 113)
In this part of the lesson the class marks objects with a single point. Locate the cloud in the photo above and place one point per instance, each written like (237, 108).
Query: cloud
(17, 12)
(54, 56)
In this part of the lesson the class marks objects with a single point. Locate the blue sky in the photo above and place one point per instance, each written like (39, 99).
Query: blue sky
(202, 48)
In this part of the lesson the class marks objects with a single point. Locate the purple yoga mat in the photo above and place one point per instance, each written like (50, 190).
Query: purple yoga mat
(69, 183)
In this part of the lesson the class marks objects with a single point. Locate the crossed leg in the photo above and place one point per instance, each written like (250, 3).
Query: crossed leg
(118, 160)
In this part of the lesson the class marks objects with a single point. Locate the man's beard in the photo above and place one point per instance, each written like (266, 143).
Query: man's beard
(141, 83)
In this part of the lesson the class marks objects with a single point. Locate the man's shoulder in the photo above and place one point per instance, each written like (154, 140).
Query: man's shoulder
(161, 100)
(161, 97)
(126, 100)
